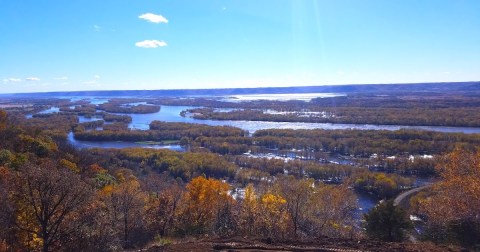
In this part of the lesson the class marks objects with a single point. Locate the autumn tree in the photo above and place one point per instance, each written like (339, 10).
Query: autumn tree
(3, 126)
(249, 212)
(124, 203)
(453, 208)
(163, 204)
(7, 220)
(274, 218)
(297, 194)
(202, 204)
(45, 195)
(3, 120)
(331, 211)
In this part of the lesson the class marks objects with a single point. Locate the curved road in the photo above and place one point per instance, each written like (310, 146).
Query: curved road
(405, 194)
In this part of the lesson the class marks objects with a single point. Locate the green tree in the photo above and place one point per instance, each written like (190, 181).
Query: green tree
(387, 222)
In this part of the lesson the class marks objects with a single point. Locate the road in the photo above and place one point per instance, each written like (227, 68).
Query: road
(405, 194)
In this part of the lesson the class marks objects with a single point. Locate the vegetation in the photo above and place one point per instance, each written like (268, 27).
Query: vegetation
(397, 109)
(387, 222)
(364, 143)
(159, 131)
(451, 208)
(274, 185)
(383, 186)
(49, 197)
(125, 107)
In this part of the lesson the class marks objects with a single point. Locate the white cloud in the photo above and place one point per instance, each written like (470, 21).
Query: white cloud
(97, 28)
(151, 43)
(96, 76)
(32, 79)
(153, 18)
(12, 80)
(61, 78)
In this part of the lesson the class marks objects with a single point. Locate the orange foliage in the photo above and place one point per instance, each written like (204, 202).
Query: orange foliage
(457, 196)
(203, 201)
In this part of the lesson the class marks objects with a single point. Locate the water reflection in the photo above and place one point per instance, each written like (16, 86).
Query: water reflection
(118, 144)
(50, 110)
(172, 114)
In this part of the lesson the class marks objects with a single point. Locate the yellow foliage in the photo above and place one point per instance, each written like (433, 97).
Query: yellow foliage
(126, 175)
(203, 199)
(272, 201)
(250, 196)
(3, 120)
(457, 195)
(107, 190)
(275, 217)
(70, 165)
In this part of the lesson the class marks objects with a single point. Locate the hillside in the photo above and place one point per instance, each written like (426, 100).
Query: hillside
(324, 244)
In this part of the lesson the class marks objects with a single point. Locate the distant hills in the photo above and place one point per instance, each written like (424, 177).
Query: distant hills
(442, 87)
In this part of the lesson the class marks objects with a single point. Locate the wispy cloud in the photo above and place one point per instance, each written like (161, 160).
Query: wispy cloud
(154, 18)
(32, 79)
(61, 78)
(96, 76)
(12, 80)
(97, 28)
(151, 43)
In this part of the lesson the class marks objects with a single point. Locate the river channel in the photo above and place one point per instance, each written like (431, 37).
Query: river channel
(172, 114)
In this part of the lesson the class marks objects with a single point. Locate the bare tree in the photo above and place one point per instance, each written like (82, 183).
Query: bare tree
(45, 196)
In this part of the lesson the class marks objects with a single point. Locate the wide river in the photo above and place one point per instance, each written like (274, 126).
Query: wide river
(172, 114)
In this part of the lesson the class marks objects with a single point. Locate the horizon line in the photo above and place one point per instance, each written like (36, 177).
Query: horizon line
(238, 88)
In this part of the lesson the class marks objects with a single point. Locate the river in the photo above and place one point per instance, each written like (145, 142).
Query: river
(172, 114)
(119, 144)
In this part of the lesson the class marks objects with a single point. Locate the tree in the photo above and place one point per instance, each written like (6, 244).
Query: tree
(125, 204)
(453, 209)
(45, 196)
(6, 157)
(274, 217)
(3, 126)
(162, 208)
(387, 222)
(297, 194)
(3, 120)
(332, 211)
(203, 203)
(7, 220)
(249, 211)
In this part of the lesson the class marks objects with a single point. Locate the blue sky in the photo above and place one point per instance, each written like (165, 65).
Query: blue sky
(58, 45)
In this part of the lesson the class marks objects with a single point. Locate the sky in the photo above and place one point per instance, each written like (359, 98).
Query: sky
(58, 45)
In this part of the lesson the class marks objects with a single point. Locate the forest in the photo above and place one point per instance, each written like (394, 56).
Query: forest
(275, 185)
(465, 117)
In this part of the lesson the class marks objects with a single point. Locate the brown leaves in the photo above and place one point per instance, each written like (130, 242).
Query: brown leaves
(45, 195)
(456, 198)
